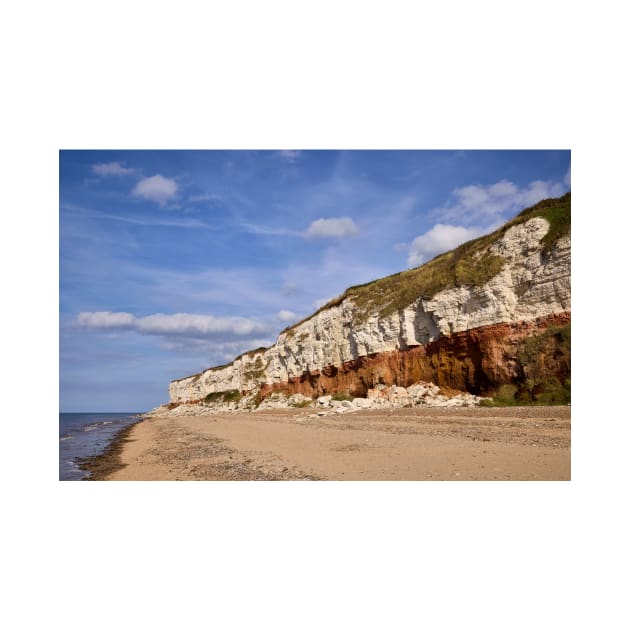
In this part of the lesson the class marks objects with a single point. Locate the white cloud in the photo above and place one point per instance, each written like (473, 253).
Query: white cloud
(286, 316)
(440, 238)
(479, 203)
(106, 319)
(332, 228)
(112, 168)
(203, 325)
(179, 324)
(567, 178)
(156, 188)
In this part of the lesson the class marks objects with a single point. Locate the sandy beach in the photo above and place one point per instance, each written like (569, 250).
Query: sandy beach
(517, 443)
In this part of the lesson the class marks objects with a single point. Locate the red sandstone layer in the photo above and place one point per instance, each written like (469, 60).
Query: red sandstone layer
(476, 361)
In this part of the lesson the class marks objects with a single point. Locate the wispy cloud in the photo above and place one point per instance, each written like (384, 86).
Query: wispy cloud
(156, 188)
(112, 168)
(332, 228)
(265, 230)
(139, 220)
(204, 197)
(179, 324)
(331, 274)
(214, 352)
(247, 290)
(567, 178)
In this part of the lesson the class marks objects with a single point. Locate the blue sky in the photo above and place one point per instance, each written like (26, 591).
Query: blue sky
(173, 261)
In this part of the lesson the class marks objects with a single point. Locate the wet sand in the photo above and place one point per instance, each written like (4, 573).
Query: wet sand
(517, 443)
(99, 467)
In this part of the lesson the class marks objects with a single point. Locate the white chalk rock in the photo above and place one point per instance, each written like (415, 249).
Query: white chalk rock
(324, 401)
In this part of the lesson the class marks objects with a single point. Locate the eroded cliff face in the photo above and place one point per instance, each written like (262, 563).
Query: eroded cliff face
(464, 337)
(475, 361)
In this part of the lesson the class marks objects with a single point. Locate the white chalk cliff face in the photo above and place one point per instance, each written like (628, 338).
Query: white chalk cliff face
(531, 284)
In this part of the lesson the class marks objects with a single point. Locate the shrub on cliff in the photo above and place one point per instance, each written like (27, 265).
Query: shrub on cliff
(301, 404)
(341, 397)
(545, 362)
(230, 395)
(550, 391)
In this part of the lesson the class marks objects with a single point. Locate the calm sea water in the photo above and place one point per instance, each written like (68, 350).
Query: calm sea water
(85, 434)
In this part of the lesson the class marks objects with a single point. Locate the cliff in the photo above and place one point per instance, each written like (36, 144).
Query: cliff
(490, 317)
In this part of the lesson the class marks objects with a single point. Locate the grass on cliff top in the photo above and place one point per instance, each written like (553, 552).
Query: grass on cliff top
(468, 264)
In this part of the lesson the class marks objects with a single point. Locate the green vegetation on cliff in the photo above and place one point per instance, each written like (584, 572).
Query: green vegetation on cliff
(545, 360)
(468, 264)
(342, 397)
(231, 395)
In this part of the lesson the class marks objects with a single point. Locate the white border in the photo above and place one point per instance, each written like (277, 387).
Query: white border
(313, 75)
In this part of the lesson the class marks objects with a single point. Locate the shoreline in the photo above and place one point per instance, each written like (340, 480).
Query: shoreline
(100, 467)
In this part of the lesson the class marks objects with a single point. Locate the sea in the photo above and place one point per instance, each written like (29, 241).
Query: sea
(86, 434)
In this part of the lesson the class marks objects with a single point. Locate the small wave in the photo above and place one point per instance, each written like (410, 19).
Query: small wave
(65, 437)
(91, 427)
(107, 421)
